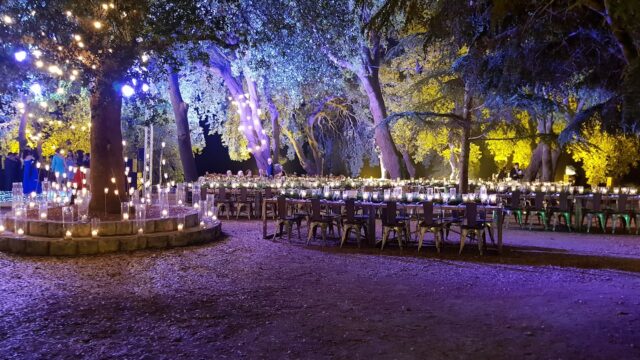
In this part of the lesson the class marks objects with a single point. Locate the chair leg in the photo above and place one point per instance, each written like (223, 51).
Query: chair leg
(289, 229)
(481, 241)
(345, 234)
(385, 235)
(311, 227)
(299, 223)
(438, 239)
(358, 237)
(421, 238)
(324, 235)
(463, 235)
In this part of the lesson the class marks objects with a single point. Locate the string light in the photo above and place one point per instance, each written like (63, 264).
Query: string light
(7, 19)
(20, 55)
(97, 25)
(39, 64)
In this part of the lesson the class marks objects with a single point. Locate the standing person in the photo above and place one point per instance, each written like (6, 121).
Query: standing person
(11, 171)
(69, 165)
(79, 176)
(516, 173)
(57, 165)
(269, 168)
(30, 173)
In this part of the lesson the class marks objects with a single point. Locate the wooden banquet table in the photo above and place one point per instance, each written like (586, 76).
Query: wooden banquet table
(370, 208)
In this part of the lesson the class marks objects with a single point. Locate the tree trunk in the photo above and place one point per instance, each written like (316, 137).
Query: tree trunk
(180, 110)
(408, 164)
(382, 136)
(274, 116)
(22, 128)
(106, 148)
(307, 164)
(534, 164)
(465, 144)
(258, 141)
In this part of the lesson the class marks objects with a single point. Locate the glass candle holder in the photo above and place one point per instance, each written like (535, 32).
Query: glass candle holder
(67, 220)
(124, 209)
(180, 221)
(95, 227)
(43, 210)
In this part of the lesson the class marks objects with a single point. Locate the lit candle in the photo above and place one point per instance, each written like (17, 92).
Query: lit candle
(106, 191)
(125, 216)
(180, 227)
(94, 233)
(140, 230)
(164, 212)
(202, 224)
(43, 215)
(20, 231)
(68, 234)
(2, 228)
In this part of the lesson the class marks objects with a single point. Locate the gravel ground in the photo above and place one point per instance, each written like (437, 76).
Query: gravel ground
(550, 295)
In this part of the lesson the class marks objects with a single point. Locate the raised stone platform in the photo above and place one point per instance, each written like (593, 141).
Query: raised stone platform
(118, 241)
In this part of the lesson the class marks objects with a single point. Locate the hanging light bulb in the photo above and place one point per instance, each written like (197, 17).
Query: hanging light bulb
(20, 55)
(97, 25)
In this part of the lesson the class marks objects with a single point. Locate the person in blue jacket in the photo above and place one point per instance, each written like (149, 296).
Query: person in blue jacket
(30, 173)
(58, 165)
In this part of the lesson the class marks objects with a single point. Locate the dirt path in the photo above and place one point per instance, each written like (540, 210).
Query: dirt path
(245, 297)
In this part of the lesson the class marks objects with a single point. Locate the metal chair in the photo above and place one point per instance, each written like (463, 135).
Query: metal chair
(391, 223)
(430, 224)
(270, 207)
(538, 210)
(472, 227)
(597, 212)
(563, 210)
(514, 208)
(622, 214)
(353, 222)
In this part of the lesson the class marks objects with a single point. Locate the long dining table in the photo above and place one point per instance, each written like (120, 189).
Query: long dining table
(371, 209)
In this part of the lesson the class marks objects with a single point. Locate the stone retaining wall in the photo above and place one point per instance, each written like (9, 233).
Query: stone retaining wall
(121, 239)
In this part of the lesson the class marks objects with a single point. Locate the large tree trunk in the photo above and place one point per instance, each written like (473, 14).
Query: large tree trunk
(274, 116)
(180, 110)
(388, 151)
(307, 164)
(258, 141)
(106, 148)
(534, 164)
(465, 144)
(408, 164)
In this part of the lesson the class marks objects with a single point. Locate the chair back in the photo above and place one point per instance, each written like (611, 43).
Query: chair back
(268, 193)
(515, 199)
(622, 203)
(539, 200)
(471, 213)
(316, 210)
(596, 202)
(282, 207)
(243, 194)
(389, 213)
(222, 193)
(427, 212)
(350, 206)
(563, 201)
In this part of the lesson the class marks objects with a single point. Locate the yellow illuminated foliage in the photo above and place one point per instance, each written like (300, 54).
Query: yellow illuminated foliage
(518, 144)
(605, 154)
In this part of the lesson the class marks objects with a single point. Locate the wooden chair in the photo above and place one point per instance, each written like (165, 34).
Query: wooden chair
(391, 223)
(317, 219)
(562, 211)
(430, 224)
(472, 228)
(243, 202)
(537, 210)
(270, 207)
(622, 214)
(286, 220)
(225, 202)
(597, 212)
(353, 222)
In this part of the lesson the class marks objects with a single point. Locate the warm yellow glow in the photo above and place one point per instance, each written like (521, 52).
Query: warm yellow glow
(7, 19)
(39, 64)
(97, 25)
